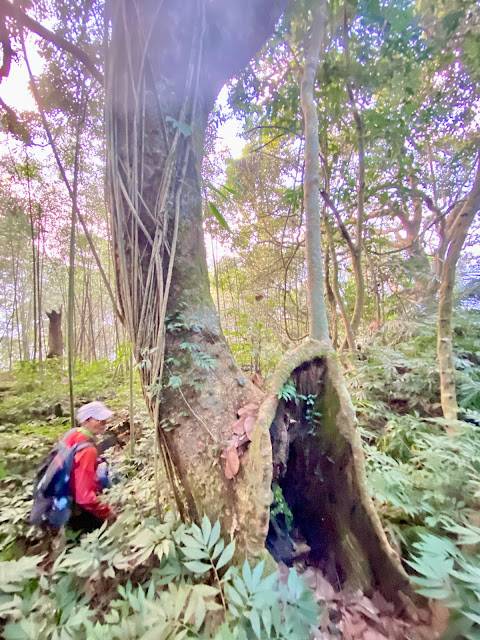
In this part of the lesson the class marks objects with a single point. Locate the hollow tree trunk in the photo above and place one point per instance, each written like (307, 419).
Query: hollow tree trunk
(166, 65)
(458, 225)
(309, 446)
(55, 335)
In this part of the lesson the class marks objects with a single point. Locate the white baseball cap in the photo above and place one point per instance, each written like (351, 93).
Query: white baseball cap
(95, 410)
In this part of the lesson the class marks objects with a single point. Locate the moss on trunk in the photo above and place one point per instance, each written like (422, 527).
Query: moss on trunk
(323, 482)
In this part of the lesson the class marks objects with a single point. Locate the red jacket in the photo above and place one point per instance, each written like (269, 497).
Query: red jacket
(83, 478)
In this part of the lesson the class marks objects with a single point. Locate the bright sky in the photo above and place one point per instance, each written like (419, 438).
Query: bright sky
(14, 89)
(228, 134)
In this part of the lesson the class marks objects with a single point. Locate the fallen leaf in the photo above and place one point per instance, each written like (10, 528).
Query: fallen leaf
(372, 634)
(239, 426)
(354, 624)
(393, 628)
(310, 577)
(323, 590)
(352, 627)
(232, 464)
(257, 381)
(250, 407)
(440, 616)
(365, 607)
(283, 572)
(410, 609)
(249, 424)
(381, 604)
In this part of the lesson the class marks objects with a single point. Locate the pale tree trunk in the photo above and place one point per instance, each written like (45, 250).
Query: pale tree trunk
(34, 260)
(313, 243)
(349, 334)
(457, 227)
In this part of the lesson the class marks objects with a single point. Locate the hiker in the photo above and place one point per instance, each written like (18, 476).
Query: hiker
(86, 482)
(70, 478)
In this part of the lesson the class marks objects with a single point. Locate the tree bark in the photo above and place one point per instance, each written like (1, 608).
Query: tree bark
(458, 225)
(166, 65)
(315, 294)
(349, 334)
(55, 335)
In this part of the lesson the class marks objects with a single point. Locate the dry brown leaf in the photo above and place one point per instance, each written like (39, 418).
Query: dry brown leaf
(249, 424)
(323, 590)
(239, 426)
(440, 616)
(232, 464)
(310, 577)
(372, 634)
(348, 628)
(250, 407)
(367, 608)
(381, 604)
(348, 597)
(257, 381)
(393, 628)
(354, 625)
(283, 572)
(425, 615)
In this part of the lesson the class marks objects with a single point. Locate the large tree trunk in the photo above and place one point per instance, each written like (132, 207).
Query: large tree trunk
(167, 62)
(458, 225)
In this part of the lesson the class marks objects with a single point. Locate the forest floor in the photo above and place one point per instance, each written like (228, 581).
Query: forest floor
(425, 485)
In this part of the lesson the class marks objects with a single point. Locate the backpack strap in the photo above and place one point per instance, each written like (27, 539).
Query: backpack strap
(83, 445)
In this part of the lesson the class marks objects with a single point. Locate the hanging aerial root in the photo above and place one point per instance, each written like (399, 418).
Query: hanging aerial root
(354, 531)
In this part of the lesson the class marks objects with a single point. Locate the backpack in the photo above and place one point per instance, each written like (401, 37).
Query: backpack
(52, 498)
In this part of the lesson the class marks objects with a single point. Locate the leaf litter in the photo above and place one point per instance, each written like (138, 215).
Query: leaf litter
(351, 615)
(242, 434)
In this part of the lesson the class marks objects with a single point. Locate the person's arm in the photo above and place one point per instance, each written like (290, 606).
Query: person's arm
(85, 484)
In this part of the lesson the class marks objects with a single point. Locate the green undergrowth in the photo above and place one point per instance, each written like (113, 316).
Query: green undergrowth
(141, 578)
(144, 578)
(35, 395)
(151, 580)
(424, 480)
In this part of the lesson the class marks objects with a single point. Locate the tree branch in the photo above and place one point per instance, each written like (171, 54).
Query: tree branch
(7, 9)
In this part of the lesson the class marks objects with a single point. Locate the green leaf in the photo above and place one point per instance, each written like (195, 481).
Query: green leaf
(257, 574)
(218, 548)
(214, 188)
(220, 219)
(174, 382)
(471, 616)
(200, 612)
(181, 596)
(197, 567)
(247, 575)
(194, 553)
(214, 536)
(226, 556)
(183, 127)
(205, 590)
(206, 529)
(267, 620)
(255, 622)
(233, 595)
